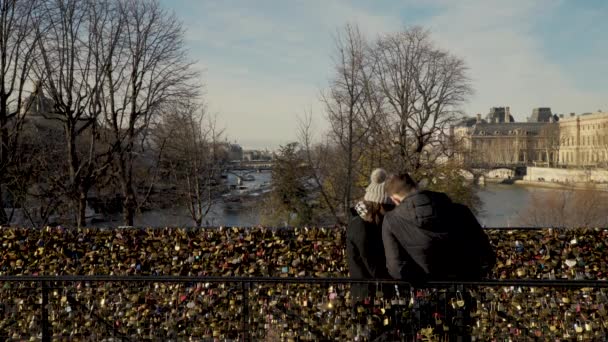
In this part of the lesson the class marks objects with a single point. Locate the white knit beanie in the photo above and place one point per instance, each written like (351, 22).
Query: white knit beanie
(375, 190)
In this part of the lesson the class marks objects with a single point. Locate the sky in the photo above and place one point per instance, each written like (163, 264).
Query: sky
(264, 63)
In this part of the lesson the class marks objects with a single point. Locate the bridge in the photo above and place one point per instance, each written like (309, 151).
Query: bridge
(480, 172)
(258, 165)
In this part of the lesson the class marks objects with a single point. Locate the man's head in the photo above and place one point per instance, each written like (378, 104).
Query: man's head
(397, 187)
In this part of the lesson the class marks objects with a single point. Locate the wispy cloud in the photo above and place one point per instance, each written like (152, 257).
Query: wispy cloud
(266, 60)
(509, 62)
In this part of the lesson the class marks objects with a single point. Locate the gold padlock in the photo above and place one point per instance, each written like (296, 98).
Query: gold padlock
(578, 328)
(588, 326)
(460, 299)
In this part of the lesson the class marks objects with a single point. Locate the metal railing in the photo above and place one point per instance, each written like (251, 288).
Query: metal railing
(296, 309)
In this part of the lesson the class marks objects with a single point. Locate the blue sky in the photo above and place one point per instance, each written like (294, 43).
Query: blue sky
(265, 62)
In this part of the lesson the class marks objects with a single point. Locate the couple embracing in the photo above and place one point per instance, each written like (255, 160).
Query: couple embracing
(400, 231)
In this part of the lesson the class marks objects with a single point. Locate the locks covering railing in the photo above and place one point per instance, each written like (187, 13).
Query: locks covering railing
(289, 284)
(297, 309)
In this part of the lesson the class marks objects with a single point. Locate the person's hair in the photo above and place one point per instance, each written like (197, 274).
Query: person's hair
(376, 211)
(401, 184)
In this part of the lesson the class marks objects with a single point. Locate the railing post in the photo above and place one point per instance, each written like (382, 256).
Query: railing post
(245, 286)
(46, 333)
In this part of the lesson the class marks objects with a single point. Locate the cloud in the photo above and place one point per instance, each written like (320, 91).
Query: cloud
(508, 63)
(266, 61)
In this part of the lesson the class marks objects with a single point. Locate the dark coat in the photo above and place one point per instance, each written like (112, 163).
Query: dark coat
(429, 237)
(365, 253)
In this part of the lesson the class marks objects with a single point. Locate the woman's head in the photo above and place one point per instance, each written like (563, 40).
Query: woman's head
(376, 200)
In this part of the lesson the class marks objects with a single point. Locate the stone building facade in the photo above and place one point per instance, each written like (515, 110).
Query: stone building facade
(500, 141)
(584, 140)
(577, 141)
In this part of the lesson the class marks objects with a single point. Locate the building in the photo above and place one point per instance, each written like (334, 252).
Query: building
(251, 155)
(499, 115)
(542, 114)
(37, 104)
(584, 140)
(500, 141)
(234, 152)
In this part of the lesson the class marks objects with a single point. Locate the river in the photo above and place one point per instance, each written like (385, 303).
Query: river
(218, 215)
(502, 206)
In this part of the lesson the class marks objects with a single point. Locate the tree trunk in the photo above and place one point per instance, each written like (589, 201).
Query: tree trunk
(128, 206)
(76, 186)
(3, 217)
(82, 206)
(3, 158)
(128, 213)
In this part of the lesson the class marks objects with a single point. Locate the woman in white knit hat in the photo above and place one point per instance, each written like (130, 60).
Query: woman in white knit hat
(364, 246)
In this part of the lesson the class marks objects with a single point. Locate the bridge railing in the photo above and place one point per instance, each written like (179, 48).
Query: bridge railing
(297, 309)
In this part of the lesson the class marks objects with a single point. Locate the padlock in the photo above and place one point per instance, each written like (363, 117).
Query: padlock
(459, 299)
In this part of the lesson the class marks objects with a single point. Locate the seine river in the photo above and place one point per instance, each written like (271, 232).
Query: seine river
(502, 205)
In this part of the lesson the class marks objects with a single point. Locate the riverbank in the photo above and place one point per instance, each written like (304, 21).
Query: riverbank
(564, 186)
(548, 184)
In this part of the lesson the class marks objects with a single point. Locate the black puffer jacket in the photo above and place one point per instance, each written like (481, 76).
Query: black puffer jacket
(365, 253)
(429, 237)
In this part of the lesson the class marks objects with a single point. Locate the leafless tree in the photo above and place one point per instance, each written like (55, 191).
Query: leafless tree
(148, 69)
(548, 142)
(190, 135)
(39, 188)
(348, 105)
(424, 87)
(17, 49)
(74, 39)
(314, 155)
(571, 208)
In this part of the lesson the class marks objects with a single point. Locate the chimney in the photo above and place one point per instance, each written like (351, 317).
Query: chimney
(478, 118)
(572, 114)
(507, 114)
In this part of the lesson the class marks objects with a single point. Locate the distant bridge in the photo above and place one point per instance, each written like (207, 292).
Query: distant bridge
(494, 171)
(259, 165)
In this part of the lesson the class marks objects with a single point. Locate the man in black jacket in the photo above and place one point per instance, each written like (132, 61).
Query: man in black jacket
(427, 236)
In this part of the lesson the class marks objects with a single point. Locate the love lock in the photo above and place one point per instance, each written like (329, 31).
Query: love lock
(578, 327)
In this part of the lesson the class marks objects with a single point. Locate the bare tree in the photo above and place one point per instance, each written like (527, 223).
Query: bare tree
(548, 141)
(395, 55)
(314, 157)
(571, 208)
(424, 87)
(73, 37)
(190, 136)
(17, 49)
(149, 68)
(348, 105)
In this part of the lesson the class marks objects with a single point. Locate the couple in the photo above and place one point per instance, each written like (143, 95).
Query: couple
(403, 232)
